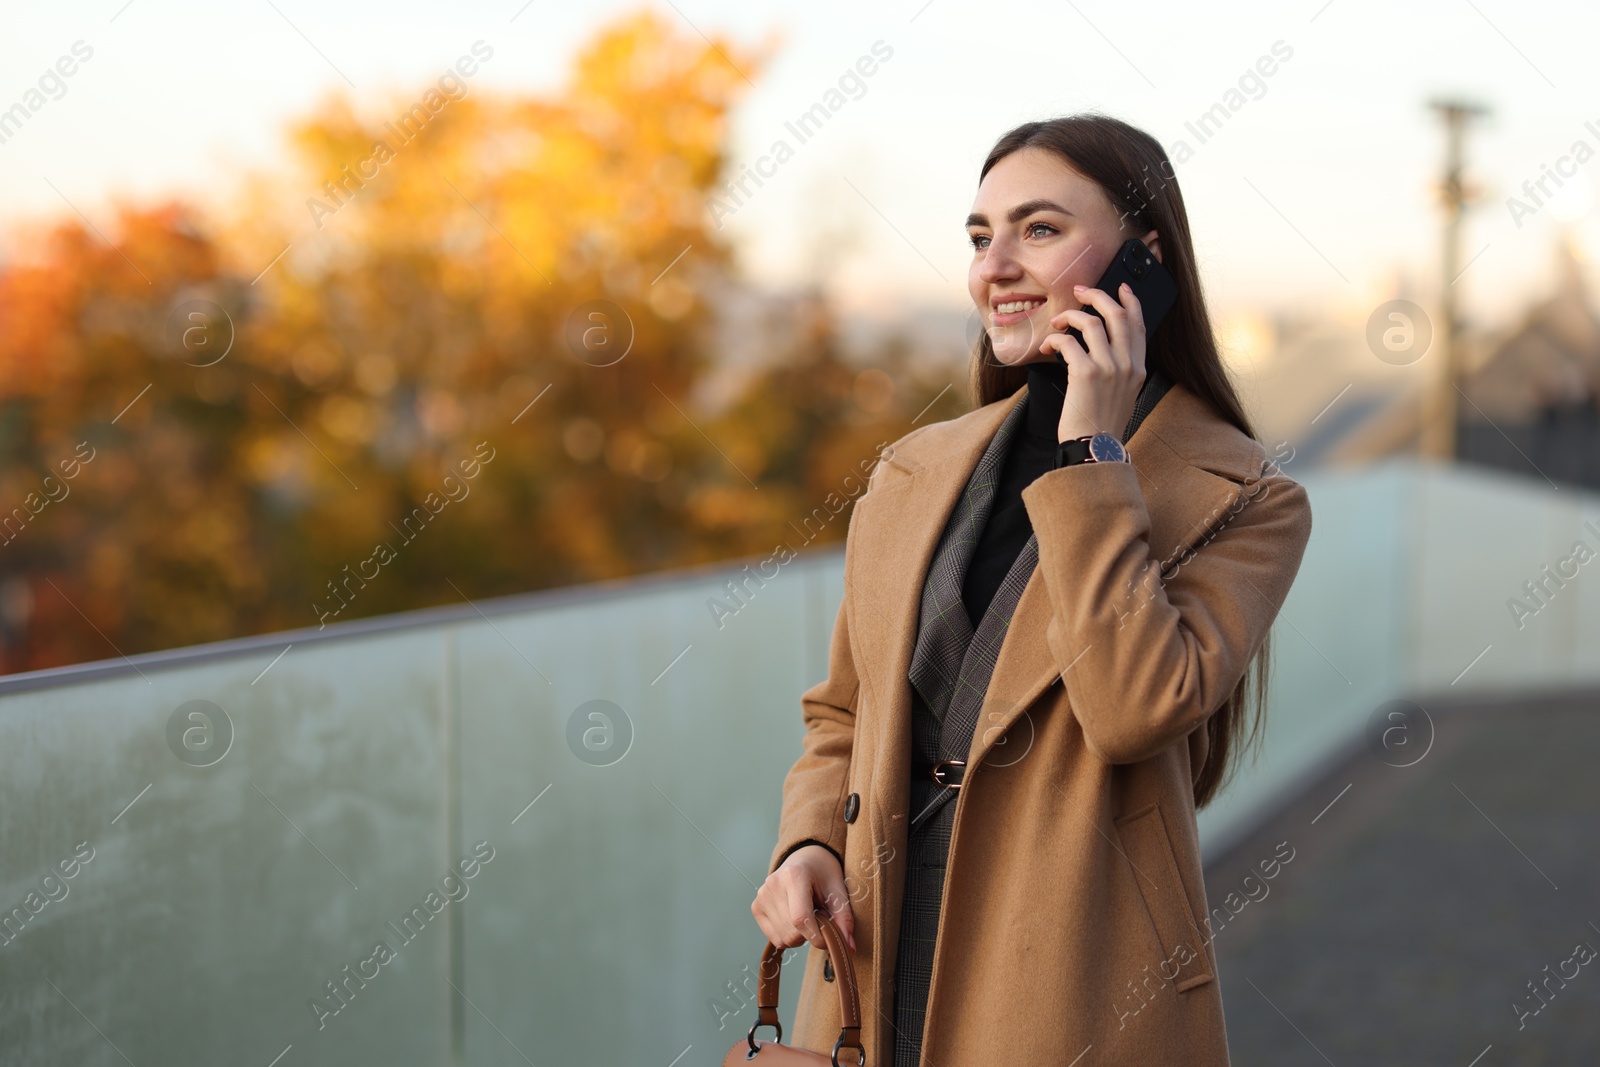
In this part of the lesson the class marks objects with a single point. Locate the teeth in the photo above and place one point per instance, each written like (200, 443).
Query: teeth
(1017, 305)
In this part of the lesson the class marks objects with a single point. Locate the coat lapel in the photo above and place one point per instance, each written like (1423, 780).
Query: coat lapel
(896, 528)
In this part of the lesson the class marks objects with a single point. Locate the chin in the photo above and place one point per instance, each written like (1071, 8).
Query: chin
(1016, 351)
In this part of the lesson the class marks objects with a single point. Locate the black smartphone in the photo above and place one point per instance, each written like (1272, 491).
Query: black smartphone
(1149, 280)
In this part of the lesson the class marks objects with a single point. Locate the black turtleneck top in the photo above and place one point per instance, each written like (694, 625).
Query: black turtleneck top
(1031, 452)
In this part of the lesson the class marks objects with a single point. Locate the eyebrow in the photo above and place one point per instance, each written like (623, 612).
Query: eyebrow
(1020, 212)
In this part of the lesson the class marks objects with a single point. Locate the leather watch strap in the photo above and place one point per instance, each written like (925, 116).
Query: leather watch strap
(1071, 452)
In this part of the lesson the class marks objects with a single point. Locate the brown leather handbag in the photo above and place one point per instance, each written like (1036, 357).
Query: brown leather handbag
(774, 1053)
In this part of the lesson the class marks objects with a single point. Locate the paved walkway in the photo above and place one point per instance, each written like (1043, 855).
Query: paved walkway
(1419, 906)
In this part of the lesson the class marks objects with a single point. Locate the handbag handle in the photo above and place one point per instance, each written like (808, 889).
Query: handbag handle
(844, 970)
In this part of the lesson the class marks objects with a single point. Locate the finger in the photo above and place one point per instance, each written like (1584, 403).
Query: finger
(837, 901)
(797, 897)
(1072, 353)
(1082, 318)
(1136, 331)
(1115, 314)
(1095, 342)
(1116, 317)
(768, 909)
(1103, 302)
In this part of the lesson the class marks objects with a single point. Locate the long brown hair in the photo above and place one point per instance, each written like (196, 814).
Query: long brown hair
(1132, 169)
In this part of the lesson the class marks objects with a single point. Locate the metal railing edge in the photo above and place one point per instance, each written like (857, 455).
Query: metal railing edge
(418, 618)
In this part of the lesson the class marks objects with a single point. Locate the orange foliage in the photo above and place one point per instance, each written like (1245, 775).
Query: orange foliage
(420, 312)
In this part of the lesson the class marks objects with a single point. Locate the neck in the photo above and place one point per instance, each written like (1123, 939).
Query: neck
(1047, 390)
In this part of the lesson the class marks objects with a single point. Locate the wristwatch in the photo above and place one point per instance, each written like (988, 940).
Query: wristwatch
(1092, 448)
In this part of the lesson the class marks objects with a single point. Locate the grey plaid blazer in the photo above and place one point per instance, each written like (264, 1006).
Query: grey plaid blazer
(950, 669)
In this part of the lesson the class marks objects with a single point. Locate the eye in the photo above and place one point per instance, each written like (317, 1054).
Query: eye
(979, 241)
(1045, 226)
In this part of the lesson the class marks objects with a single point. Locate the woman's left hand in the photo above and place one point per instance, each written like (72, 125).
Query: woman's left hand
(1103, 382)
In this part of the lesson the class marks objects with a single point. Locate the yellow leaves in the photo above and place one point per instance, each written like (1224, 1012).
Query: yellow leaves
(275, 457)
(874, 391)
(630, 451)
(628, 59)
(505, 187)
(440, 413)
(351, 420)
(746, 453)
(315, 363)
(108, 564)
(725, 507)
(375, 374)
(421, 309)
(629, 148)
(583, 438)
(516, 394)
(216, 385)
(326, 142)
(671, 298)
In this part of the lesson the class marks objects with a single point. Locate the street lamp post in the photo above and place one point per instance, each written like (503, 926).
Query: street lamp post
(1438, 436)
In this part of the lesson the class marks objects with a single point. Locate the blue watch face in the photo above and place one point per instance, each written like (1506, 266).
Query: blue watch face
(1105, 448)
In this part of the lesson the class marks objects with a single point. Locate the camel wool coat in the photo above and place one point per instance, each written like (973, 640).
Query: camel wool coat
(1074, 921)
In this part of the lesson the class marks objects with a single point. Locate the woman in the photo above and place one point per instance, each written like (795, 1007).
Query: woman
(1038, 669)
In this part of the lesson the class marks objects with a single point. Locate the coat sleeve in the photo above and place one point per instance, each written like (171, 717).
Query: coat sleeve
(1146, 661)
(814, 788)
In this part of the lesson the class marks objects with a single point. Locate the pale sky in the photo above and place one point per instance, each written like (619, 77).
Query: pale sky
(1316, 194)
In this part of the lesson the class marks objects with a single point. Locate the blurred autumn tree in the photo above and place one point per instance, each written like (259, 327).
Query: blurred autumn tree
(377, 330)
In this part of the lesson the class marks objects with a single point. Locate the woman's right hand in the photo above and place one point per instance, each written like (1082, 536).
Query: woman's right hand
(808, 877)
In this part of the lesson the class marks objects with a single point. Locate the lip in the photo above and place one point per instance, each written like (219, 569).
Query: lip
(1011, 318)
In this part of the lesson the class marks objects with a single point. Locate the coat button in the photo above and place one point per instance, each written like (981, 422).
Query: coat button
(852, 804)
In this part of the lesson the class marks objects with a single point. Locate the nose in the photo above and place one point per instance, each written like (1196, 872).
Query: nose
(999, 264)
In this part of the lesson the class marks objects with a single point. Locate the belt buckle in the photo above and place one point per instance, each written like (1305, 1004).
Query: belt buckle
(937, 768)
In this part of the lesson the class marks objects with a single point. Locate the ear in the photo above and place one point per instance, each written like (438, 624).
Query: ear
(1153, 239)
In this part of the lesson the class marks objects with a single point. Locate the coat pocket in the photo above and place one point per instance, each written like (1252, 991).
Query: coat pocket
(1155, 869)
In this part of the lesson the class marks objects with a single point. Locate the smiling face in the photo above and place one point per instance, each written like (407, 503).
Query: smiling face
(1038, 227)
